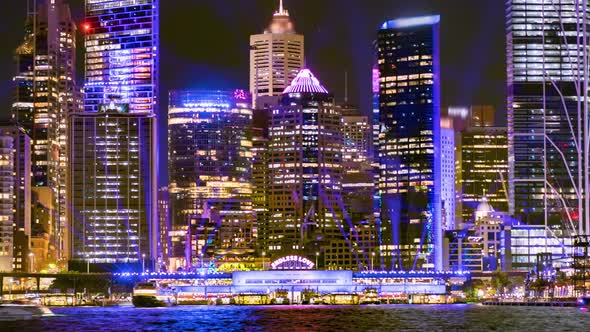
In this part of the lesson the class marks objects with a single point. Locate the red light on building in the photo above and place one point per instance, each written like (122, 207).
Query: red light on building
(86, 27)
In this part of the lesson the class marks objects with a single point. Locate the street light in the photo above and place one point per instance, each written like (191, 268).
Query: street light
(317, 254)
(372, 259)
(263, 256)
(142, 263)
(87, 263)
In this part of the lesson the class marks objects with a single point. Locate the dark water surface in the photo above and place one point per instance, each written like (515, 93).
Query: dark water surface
(311, 318)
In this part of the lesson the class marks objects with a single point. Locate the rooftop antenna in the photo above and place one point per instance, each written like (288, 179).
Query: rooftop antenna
(346, 87)
(281, 7)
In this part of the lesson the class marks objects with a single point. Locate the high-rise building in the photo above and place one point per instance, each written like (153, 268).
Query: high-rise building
(276, 56)
(543, 67)
(122, 41)
(358, 187)
(448, 169)
(260, 184)
(210, 174)
(410, 143)
(484, 169)
(163, 227)
(15, 199)
(112, 190)
(45, 93)
(305, 167)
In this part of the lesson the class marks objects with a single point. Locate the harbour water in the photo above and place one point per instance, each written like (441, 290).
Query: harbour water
(457, 317)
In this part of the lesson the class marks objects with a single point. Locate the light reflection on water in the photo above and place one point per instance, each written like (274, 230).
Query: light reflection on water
(311, 318)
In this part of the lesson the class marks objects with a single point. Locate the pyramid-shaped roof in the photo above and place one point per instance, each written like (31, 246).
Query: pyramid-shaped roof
(305, 82)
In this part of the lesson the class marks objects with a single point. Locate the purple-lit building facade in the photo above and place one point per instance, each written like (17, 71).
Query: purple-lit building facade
(122, 41)
(210, 177)
(112, 196)
(112, 206)
(306, 207)
(410, 144)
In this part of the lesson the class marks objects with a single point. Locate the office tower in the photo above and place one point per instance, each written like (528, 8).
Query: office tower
(42, 216)
(484, 169)
(410, 143)
(541, 125)
(210, 177)
(260, 183)
(276, 56)
(15, 199)
(448, 169)
(45, 93)
(112, 203)
(305, 166)
(358, 187)
(122, 58)
(163, 229)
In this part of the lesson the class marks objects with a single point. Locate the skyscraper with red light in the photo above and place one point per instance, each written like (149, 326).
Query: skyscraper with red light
(121, 40)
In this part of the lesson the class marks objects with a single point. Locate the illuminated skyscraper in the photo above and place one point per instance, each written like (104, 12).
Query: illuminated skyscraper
(448, 168)
(210, 188)
(542, 66)
(15, 199)
(163, 227)
(276, 56)
(45, 93)
(410, 143)
(305, 167)
(358, 187)
(122, 40)
(112, 189)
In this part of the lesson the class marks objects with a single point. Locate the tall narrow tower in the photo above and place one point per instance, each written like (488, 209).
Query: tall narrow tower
(410, 143)
(45, 93)
(276, 56)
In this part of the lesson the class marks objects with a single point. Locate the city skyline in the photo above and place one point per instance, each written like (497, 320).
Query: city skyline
(468, 78)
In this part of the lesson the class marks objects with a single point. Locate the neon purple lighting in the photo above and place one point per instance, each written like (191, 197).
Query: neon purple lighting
(375, 80)
(305, 82)
(240, 95)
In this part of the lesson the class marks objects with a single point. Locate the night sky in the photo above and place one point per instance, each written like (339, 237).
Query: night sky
(205, 44)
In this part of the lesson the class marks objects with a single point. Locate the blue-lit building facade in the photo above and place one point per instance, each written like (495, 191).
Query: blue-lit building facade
(122, 40)
(210, 177)
(112, 186)
(410, 144)
(112, 196)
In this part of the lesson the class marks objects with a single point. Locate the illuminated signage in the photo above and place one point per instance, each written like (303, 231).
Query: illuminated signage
(120, 108)
(292, 262)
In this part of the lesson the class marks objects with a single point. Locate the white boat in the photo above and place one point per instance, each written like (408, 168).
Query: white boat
(23, 311)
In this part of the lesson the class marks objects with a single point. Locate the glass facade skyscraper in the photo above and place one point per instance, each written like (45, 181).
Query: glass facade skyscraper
(122, 40)
(210, 177)
(543, 64)
(112, 190)
(410, 143)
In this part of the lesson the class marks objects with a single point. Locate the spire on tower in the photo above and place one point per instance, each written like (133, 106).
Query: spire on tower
(282, 11)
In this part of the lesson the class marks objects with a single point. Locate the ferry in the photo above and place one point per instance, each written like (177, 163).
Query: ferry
(148, 294)
(23, 310)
